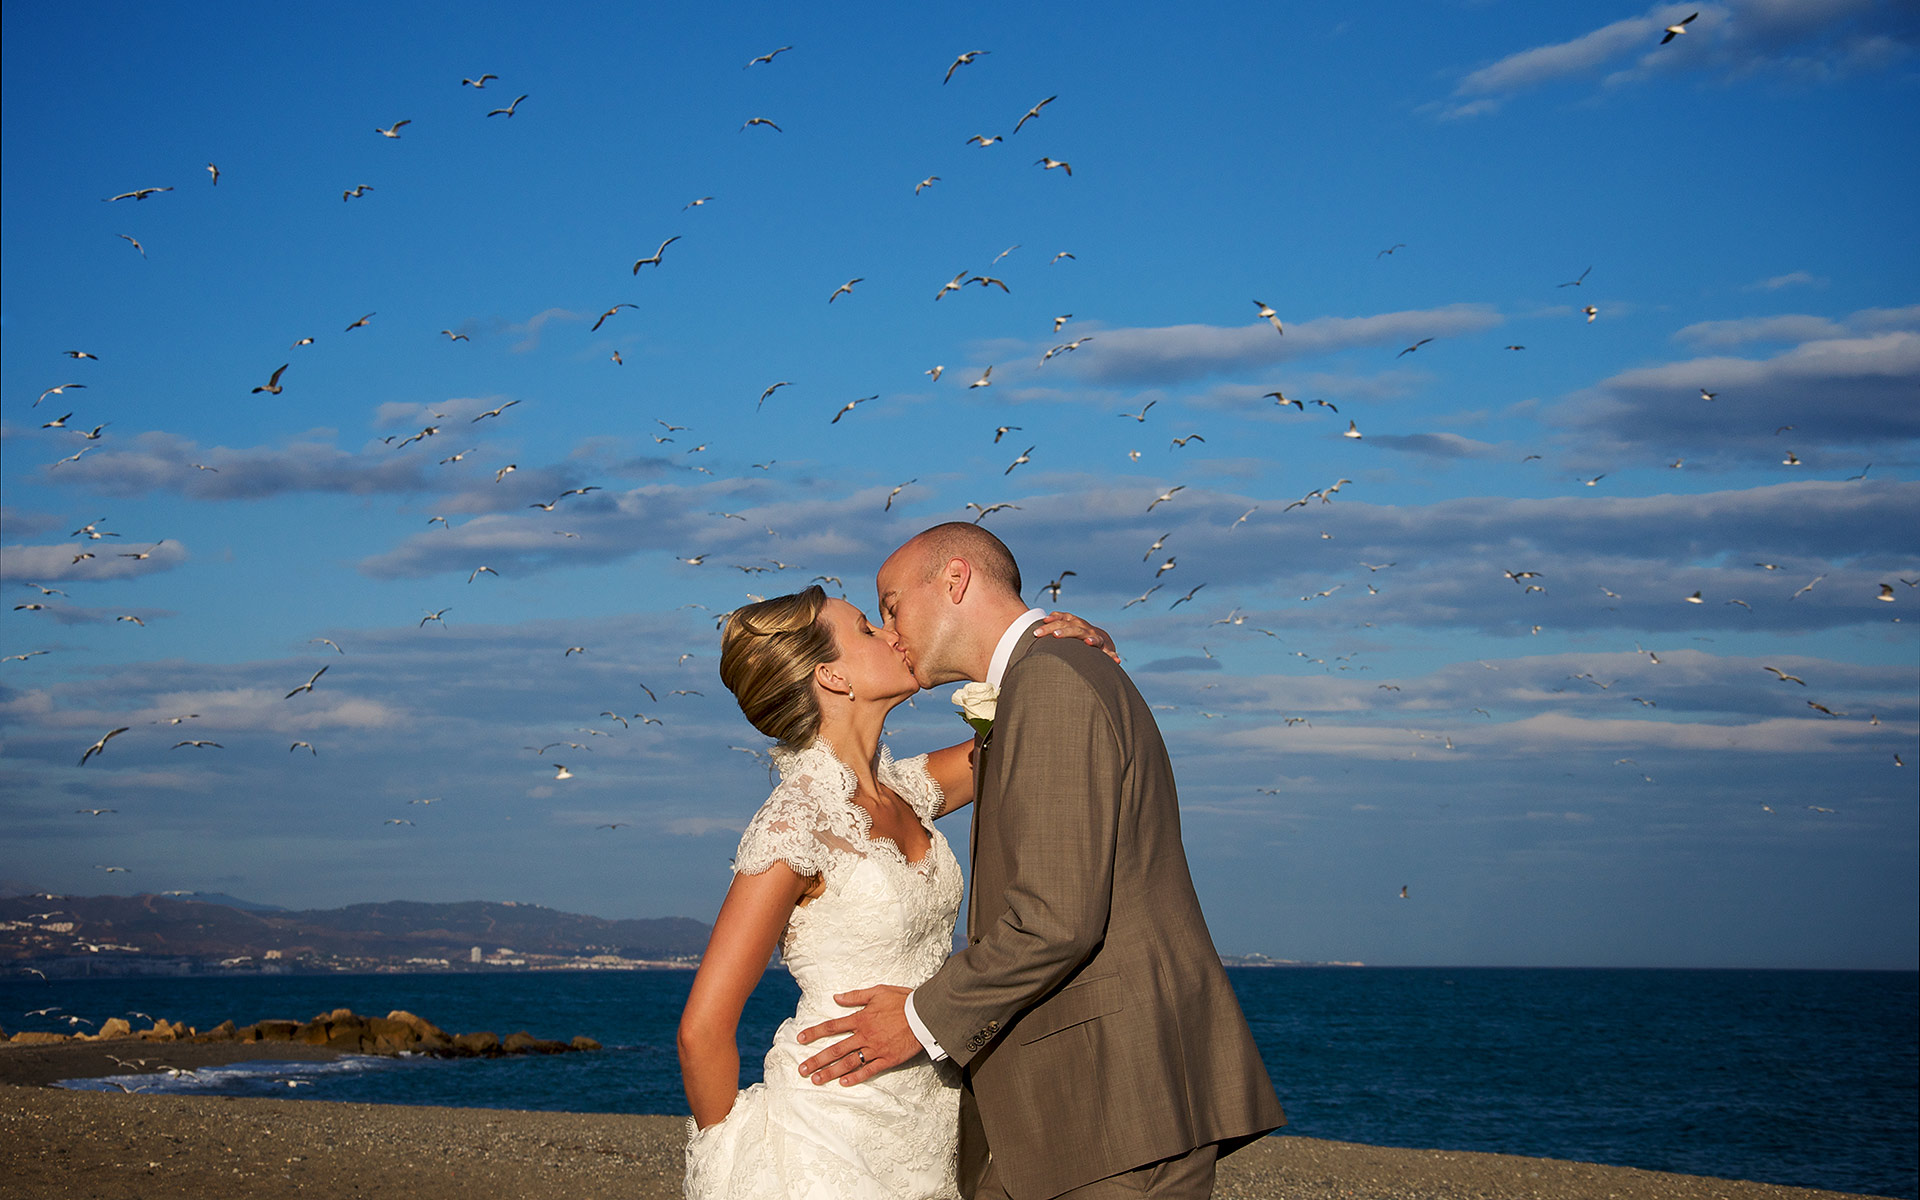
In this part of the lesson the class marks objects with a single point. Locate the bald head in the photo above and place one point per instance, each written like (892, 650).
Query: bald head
(992, 563)
(947, 596)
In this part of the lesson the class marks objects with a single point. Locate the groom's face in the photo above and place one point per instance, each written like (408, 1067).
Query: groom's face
(914, 605)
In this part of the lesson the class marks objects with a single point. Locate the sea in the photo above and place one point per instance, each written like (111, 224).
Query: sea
(1806, 1078)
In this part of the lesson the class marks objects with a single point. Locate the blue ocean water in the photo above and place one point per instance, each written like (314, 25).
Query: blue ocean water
(1802, 1078)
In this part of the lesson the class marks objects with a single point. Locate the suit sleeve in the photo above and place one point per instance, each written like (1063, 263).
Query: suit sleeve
(1057, 820)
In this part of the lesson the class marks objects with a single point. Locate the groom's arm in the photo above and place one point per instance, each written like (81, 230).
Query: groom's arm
(1057, 827)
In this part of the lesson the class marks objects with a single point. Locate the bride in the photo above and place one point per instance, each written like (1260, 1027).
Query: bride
(843, 870)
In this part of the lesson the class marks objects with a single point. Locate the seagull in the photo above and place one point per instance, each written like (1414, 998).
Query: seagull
(1784, 677)
(479, 571)
(1886, 593)
(952, 285)
(505, 471)
(55, 391)
(616, 308)
(496, 411)
(143, 555)
(1596, 479)
(438, 615)
(308, 745)
(654, 259)
(990, 281)
(1166, 495)
(1033, 112)
(1050, 163)
(1141, 598)
(100, 746)
(1182, 442)
(1326, 404)
(888, 507)
(695, 561)
(928, 182)
(398, 821)
(478, 83)
(273, 384)
(1272, 318)
(1280, 400)
(990, 509)
(761, 121)
(1803, 591)
(1140, 416)
(93, 812)
(1166, 566)
(1695, 599)
(770, 391)
(1412, 348)
(1579, 281)
(134, 619)
(1791, 460)
(1513, 347)
(392, 131)
(357, 324)
(845, 289)
(1243, 517)
(982, 140)
(307, 686)
(138, 194)
(508, 110)
(964, 60)
(1184, 599)
(57, 422)
(849, 406)
(1591, 312)
(134, 242)
(1674, 31)
(197, 745)
(355, 192)
(1052, 588)
(1352, 431)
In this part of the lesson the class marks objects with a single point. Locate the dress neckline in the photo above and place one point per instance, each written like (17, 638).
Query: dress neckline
(819, 758)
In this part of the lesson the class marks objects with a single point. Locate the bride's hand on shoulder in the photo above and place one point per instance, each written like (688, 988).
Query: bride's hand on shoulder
(1066, 624)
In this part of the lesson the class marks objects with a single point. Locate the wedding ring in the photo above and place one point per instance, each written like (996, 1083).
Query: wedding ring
(863, 1057)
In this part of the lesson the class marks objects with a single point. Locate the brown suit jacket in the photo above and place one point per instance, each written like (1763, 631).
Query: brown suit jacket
(1089, 1010)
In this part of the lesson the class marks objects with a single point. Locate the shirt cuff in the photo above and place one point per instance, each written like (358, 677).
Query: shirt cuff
(921, 1032)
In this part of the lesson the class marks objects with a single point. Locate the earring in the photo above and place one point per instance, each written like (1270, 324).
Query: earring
(849, 695)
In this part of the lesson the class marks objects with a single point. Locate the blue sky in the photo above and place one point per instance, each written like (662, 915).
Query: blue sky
(1624, 784)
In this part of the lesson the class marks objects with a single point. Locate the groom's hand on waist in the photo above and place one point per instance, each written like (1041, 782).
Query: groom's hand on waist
(878, 1038)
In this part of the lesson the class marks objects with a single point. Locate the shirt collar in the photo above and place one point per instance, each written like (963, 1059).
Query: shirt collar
(1003, 649)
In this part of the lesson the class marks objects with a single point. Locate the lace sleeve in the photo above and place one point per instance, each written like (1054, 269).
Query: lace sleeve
(780, 833)
(916, 784)
(806, 823)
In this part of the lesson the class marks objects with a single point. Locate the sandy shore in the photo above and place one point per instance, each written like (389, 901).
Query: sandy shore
(107, 1146)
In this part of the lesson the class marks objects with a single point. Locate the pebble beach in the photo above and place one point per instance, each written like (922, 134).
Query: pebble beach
(109, 1146)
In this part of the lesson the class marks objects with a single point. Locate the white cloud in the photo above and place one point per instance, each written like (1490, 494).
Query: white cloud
(1790, 279)
(1806, 41)
(1176, 353)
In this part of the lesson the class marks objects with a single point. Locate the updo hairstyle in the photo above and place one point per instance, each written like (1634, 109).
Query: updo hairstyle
(767, 655)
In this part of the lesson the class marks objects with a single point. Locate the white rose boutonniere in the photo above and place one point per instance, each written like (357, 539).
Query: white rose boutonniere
(977, 702)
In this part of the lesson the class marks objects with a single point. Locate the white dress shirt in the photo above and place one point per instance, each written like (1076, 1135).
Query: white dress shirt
(996, 671)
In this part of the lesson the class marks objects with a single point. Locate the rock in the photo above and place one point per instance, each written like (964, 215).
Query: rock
(388, 1036)
(525, 1043)
(35, 1038)
(420, 1025)
(436, 1042)
(163, 1031)
(112, 1029)
(585, 1043)
(472, 1044)
(313, 1033)
(223, 1032)
(275, 1031)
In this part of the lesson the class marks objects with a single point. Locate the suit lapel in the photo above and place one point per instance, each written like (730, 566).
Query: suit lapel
(983, 805)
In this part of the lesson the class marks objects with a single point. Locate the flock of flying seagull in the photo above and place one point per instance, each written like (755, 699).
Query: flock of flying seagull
(93, 532)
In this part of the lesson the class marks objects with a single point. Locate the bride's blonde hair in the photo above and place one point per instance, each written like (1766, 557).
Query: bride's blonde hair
(767, 655)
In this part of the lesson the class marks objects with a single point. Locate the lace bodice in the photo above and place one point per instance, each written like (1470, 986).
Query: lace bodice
(881, 918)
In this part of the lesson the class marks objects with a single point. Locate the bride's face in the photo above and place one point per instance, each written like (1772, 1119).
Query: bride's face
(870, 656)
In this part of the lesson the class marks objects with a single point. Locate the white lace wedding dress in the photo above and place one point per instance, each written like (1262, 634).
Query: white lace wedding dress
(881, 919)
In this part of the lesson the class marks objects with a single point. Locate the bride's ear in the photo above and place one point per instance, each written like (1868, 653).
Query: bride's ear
(827, 677)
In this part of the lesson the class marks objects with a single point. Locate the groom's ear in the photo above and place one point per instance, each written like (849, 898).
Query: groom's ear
(959, 574)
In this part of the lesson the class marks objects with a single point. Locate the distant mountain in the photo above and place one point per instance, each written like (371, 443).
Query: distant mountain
(231, 902)
(120, 932)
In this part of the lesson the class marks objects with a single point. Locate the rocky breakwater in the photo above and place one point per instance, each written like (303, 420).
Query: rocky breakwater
(341, 1030)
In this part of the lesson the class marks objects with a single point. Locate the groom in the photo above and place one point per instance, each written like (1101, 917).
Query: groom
(1102, 1048)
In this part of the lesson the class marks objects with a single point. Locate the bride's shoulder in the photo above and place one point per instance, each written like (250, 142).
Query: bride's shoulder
(913, 778)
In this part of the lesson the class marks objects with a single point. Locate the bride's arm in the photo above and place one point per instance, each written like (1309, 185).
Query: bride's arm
(744, 935)
(952, 767)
